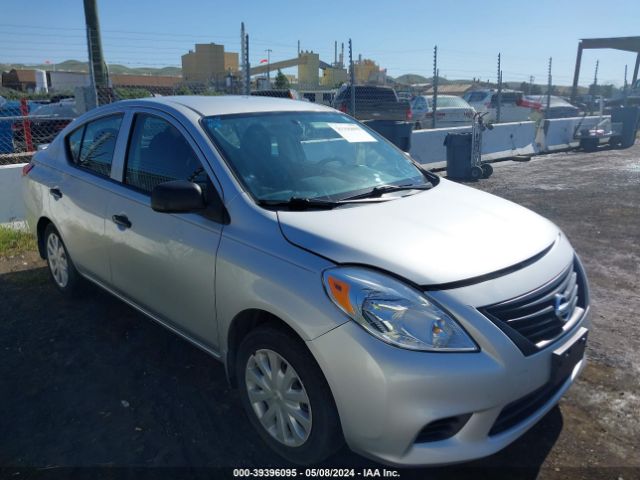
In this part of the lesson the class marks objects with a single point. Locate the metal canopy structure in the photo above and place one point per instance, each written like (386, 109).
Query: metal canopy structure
(627, 44)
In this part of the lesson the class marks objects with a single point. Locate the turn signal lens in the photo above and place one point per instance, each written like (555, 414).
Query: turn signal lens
(340, 293)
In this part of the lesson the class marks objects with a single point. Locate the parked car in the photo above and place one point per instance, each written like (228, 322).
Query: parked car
(372, 102)
(486, 101)
(331, 274)
(10, 113)
(285, 93)
(45, 122)
(558, 106)
(451, 111)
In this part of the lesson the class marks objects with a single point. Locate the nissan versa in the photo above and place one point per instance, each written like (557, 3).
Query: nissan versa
(339, 282)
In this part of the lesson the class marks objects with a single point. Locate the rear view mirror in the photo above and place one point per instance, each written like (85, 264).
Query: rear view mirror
(178, 196)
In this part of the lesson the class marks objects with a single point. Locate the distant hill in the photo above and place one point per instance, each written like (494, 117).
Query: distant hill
(410, 78)
(78, 66)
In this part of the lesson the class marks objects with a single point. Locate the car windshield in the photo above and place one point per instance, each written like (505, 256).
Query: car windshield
(311, 155)
(475, 96)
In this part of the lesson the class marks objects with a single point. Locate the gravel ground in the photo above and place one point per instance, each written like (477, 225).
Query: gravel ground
(92, 389)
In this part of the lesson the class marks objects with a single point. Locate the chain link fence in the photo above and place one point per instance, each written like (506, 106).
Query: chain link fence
(359, 88)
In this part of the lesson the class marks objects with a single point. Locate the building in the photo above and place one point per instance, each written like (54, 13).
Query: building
(333, 77)
(21, 80)
(308, 70)
(67, 81)
(208, 64)
(458, 89)
(367, 71)
(231, 62)
(161, 84)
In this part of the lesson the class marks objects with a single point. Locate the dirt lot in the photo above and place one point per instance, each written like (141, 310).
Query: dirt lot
(93, 385)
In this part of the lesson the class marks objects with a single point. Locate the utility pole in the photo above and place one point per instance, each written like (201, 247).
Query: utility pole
(268, 50)
(434, 99)
(595, 79)
(531, 80)
(97, 66)
(625, 78)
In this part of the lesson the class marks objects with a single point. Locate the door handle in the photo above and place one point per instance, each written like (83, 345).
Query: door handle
(56, 193)
(121, 220)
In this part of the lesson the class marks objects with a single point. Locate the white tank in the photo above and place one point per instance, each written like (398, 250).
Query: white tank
(41, 82)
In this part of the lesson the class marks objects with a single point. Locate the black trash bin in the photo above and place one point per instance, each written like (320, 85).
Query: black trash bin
(398, 133)
(458, 156)
(630, 119)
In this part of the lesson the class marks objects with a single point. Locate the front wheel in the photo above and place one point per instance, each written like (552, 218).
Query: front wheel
(286, 397)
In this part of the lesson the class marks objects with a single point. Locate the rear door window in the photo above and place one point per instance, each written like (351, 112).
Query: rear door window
(91, 146)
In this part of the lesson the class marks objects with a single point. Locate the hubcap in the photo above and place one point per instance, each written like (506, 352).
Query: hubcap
(57, 259)
(278, 398)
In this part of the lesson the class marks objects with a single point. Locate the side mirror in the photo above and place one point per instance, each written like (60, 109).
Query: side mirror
(178, 196)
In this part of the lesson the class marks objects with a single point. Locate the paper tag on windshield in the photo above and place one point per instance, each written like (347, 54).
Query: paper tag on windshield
(352, 133)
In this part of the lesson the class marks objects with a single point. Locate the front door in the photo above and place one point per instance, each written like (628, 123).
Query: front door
(165, 263)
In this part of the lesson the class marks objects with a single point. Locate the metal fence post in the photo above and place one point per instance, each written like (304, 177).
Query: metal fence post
(435, 86)
(352, 80)
(499, 107)
(549, 88)
(247, 73)
(26, 124)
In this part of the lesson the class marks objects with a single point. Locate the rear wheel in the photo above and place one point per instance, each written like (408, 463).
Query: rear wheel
(286, 397)
(63, 272)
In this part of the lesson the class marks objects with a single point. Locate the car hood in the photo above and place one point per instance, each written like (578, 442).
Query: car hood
(447, 234)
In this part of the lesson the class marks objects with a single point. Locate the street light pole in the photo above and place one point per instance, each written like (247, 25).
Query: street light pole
(268, 50)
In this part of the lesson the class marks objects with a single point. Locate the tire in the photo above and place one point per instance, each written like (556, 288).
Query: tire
(589, 144)
(487, 170)
(317, 434)
(476, 173)
(61, 268)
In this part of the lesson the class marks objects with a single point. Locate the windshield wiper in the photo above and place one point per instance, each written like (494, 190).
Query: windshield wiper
(382, 189)
(300, 204)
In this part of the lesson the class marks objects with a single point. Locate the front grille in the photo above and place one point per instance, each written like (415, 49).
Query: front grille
(523, 408)
(534, 320)
(442, 429)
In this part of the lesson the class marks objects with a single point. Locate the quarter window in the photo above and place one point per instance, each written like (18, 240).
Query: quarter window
(159, 153)
(92, 145)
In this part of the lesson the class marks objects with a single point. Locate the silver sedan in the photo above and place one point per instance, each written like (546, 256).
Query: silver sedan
(334, 277)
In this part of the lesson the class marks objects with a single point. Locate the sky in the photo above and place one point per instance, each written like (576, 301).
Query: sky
(398, 35)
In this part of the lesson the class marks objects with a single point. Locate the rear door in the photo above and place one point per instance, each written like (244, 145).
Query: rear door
(79, 193)
(164, 263)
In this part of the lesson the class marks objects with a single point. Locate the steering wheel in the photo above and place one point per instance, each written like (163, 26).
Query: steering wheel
(341, 160)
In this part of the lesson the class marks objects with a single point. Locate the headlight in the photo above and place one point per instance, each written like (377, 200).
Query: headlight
(394, 312)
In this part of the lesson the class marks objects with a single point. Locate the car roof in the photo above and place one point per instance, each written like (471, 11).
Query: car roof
(230, 104)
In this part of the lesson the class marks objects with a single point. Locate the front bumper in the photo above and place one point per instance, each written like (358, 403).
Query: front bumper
(386, 395)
